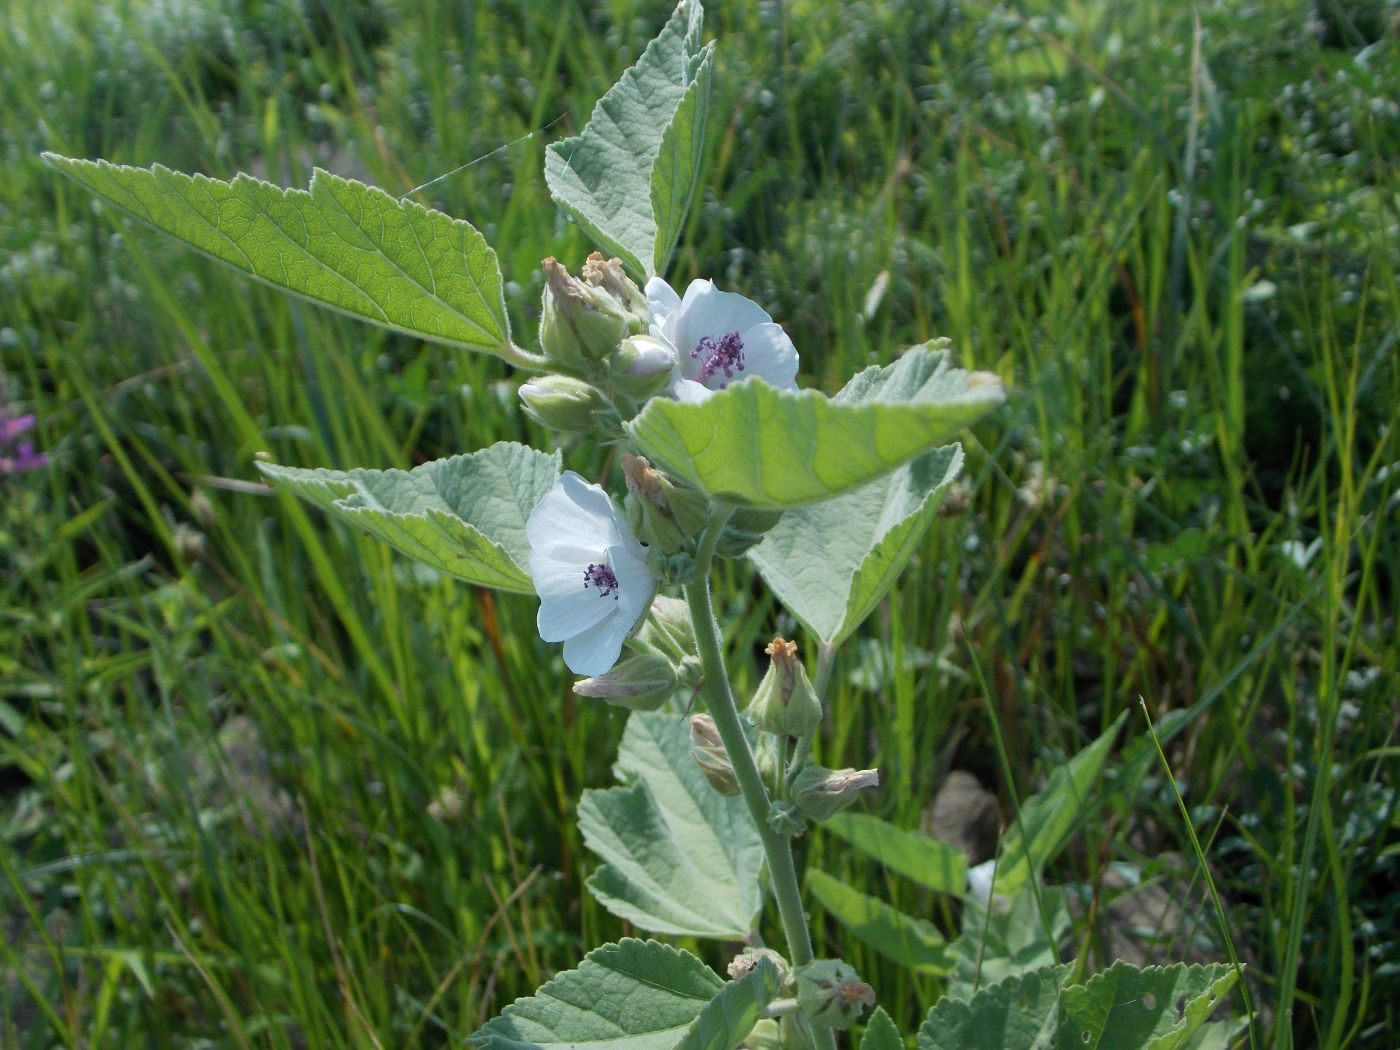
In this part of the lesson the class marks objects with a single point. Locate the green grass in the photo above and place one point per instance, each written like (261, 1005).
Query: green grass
(266, 785)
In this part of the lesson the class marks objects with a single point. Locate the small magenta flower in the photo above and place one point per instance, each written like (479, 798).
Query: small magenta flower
(22, 456)
(590, 573)
(719, 338)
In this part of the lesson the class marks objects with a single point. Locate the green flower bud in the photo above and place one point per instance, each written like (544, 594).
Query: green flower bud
(747, 960)
(561, 403)
(765, 1035)
(830, 994)
(785, 820)
(663, 514)
(579, 322)
(609, 275)
(765, 756)
(710, 755)
(638, 682)
(668, 633)
(642, 367)
(785, 703)
(745, 530)
(820, 792)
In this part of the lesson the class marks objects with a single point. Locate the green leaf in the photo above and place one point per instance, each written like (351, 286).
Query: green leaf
(731, 1015)
(913, 943)
(1019, 1013)
(1046, 819)
(881, 1033)
(628, 178)
(926, 860)
(464, 515)
(633, 995)
(1157, 1008)
(754, 445)
(339, 243)
(1013, 940)
(678, 858)
(831, 563)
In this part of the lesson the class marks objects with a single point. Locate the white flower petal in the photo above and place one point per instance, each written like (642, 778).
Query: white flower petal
(595, 650)
(661, 299)
(706, 311)
(573, 512)
(689, 391)
(769, 355)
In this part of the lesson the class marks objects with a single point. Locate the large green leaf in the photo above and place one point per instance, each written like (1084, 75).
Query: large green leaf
(1157, 1008)
(340, 243)
(1013, 939)
(628, 178)
(754, 445)
(913, 943)
(1019, 1013)
(928, 861)
(633, 995)
(831, 563)
(678, 857)
(881, 1033)
(1046, 819)
(464, 515)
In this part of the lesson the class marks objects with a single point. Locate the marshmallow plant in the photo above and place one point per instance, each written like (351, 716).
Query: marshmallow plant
(719, 455)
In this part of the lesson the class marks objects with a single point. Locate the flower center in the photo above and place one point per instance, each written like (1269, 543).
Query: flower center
(724, 354)
(602, 577)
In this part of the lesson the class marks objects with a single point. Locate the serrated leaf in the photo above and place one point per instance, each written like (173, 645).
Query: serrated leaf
(831, 563)
(629, 176)
(340, 243)
(678, 857)
(754, 445)
(1019, 1013)
(1157, 1008)
(731, 1015)
(928, 861)
(881, 1033)
(633, 995)
(1012, 940)
(913, 943)
(464, 516)
(1047, 818)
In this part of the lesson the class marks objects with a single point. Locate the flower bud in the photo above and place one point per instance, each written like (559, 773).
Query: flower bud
(609, 275)
(642, 367)
(579, 322)
(785, 703)
(830, 994)
(561, 403)
(663, 514)
(820, 792)
(745, 530)
(747, 960)
(638, 682)
(708, 751)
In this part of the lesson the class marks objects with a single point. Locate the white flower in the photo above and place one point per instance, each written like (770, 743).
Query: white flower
(719, 338)
(590, 573)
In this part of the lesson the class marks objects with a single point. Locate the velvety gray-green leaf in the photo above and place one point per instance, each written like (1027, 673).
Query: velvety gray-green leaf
(339, 243)
(917, 856)
(731, 1015)
(1046, 819)
(677, 857)
(1157, 1008)
(676, 173)
(913, 943)
(1019, 1013)
(754, 445)
(831, 563)
(1012, 940)
(464, 516)
(881, 1033)
(633, 995)
(607, 176)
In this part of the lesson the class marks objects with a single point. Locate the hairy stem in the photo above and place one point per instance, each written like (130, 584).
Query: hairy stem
(719, 698)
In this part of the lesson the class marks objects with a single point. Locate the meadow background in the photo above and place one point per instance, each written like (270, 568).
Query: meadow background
(264, 783)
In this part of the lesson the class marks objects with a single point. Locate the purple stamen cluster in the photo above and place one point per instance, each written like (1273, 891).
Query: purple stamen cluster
(24, 457)
(724, 354)
(602, 577)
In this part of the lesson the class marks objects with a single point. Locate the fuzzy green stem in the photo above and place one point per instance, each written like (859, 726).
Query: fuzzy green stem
(719, 698)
